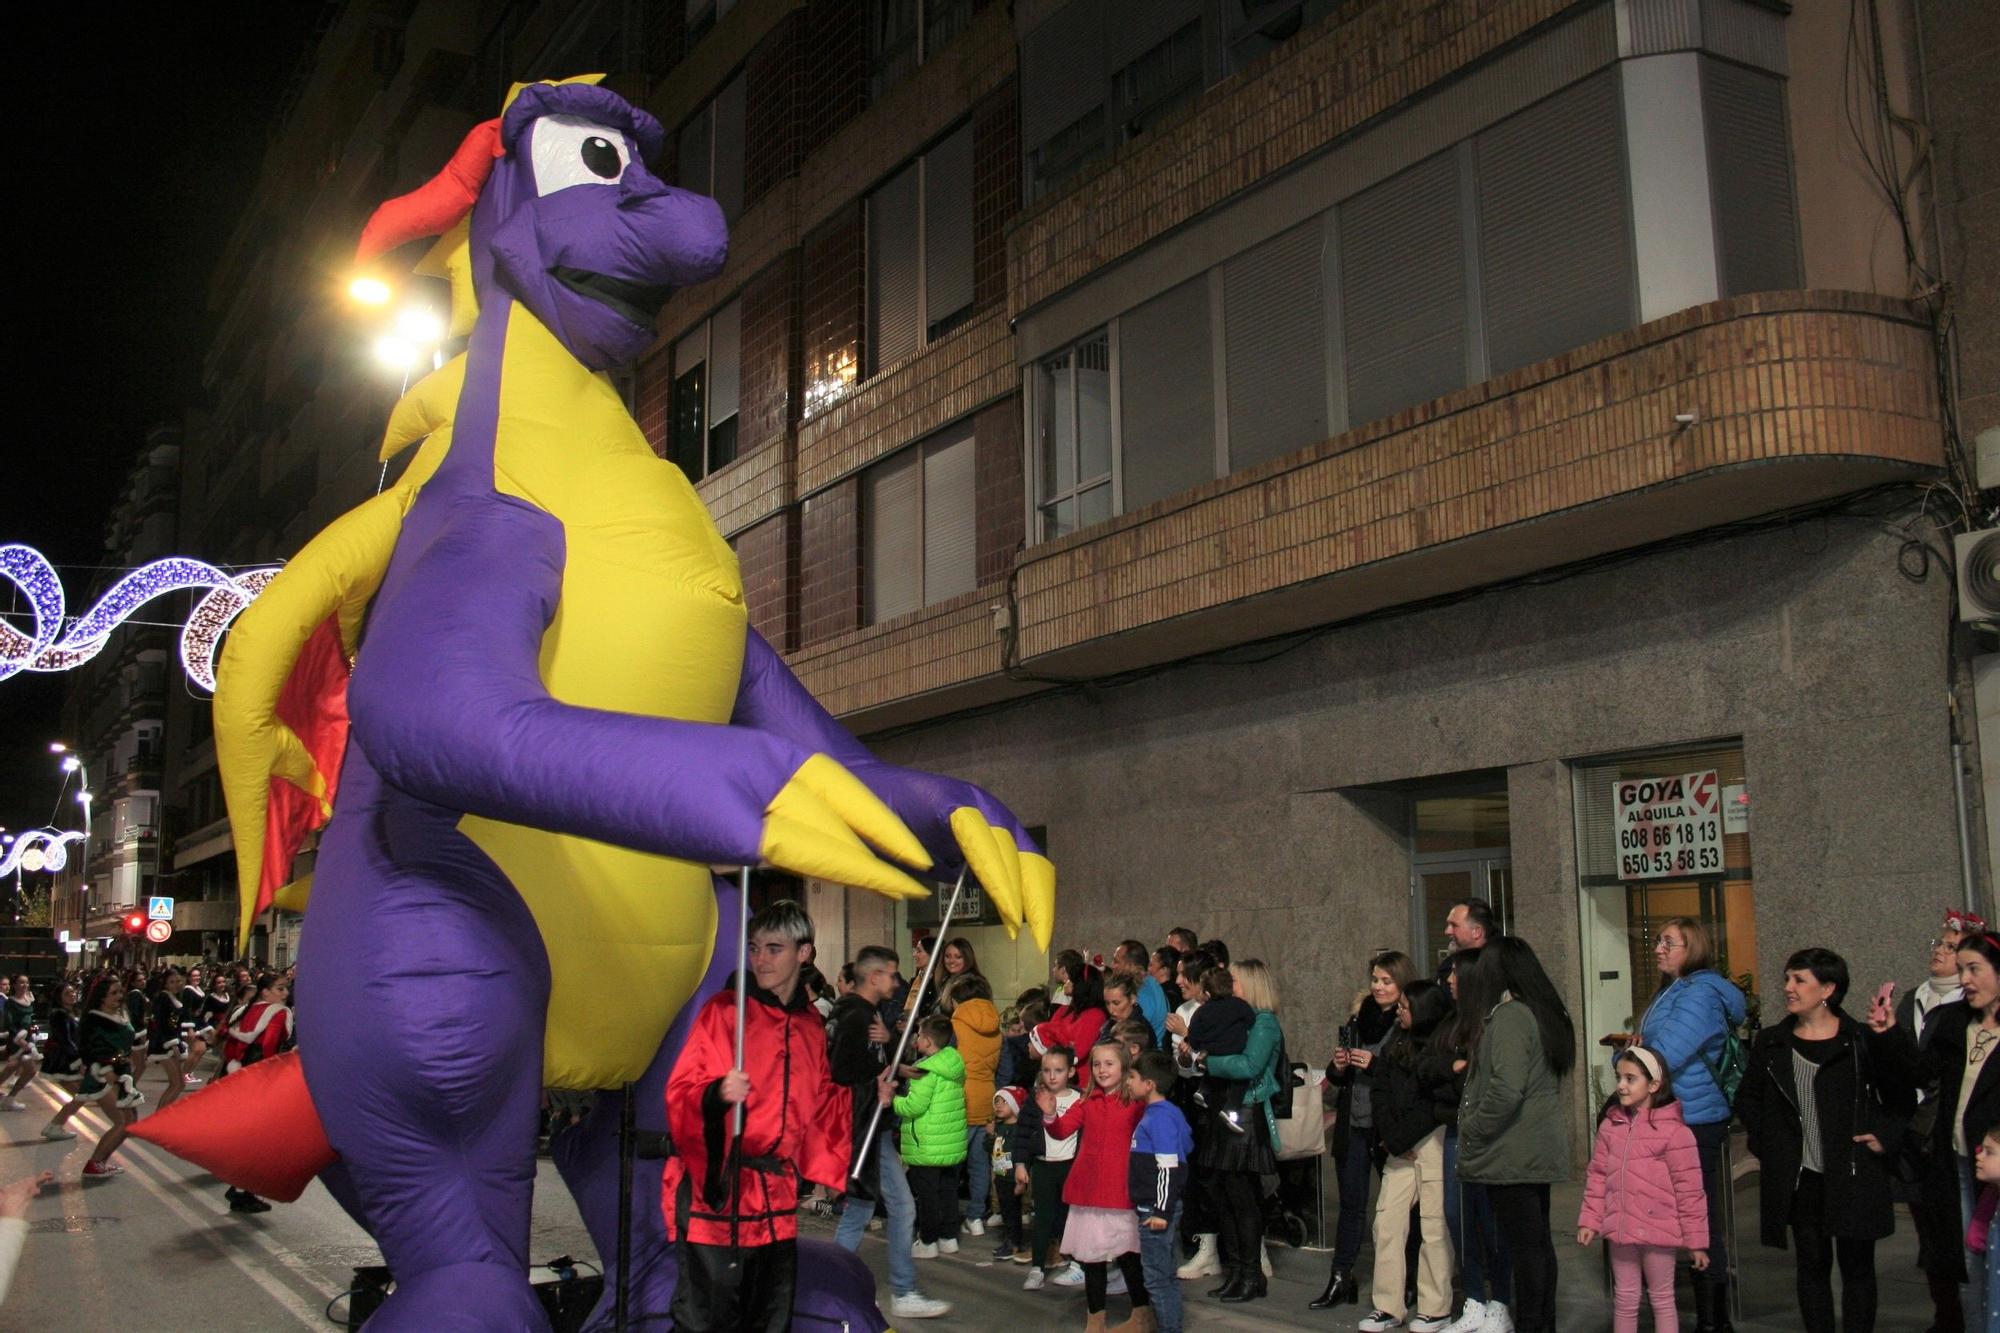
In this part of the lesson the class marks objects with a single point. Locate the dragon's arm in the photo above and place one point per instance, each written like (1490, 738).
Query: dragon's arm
(448, 704)
(957, 822)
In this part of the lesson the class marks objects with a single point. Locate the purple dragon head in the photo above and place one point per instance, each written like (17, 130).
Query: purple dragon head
(567, 219)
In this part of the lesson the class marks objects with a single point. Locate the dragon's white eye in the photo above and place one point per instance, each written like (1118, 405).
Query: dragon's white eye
(569, 150)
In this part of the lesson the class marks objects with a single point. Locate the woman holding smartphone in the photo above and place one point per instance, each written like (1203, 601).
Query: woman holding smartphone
(1370, 1025)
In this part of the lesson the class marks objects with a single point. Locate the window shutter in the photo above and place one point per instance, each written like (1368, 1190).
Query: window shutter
(1402, 288)
(1166, 393)
(728, 112)
(1063, 71)
(1134, 27)
(694, 161)
(1750, 178)
(950, 528)
(891, 537)
(1274, 326)
(948, 229)
(725, 361)
(892, 270)
(1555, 231)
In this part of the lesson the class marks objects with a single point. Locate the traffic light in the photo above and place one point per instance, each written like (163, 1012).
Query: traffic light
(135, 923)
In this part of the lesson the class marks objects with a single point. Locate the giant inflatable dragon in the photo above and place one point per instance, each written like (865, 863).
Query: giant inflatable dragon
(523, 684)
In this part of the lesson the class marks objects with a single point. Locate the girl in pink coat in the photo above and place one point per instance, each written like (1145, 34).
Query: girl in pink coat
(1644, 1195)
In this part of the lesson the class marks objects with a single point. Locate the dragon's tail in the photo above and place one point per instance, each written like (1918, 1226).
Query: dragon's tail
(256, 1129)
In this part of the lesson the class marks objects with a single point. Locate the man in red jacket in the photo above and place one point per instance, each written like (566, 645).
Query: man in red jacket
(733, 1204)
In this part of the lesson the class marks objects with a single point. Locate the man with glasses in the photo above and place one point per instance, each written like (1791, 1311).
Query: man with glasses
(1913, 1012)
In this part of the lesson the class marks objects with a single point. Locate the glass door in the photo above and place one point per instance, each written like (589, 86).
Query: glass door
(1436, 885)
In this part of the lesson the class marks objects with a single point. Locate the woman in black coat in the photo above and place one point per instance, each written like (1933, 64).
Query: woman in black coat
(1822, 1098)
(1958, 1040)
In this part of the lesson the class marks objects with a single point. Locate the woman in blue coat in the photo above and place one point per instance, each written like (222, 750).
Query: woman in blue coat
(1688, 1024)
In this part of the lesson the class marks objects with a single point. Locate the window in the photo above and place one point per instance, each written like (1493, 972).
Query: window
(1274, 326)
(1555, 248)
(711, 150)
(920, 252)
(1750, 178)
(918, 533)
(902, 34)
(1074, 147)
(1073, 436)
(702, 14)
(707, 375)
(1160, 82)
(1166, 389)
(1403, 290)
(1623, 903)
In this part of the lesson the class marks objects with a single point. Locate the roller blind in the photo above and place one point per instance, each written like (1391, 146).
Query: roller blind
(1134, 27)
(694, 157)
(1063, 71)
(1403, 298)
(1274, 326)
(1166, 389)
(892, 270)
(948, 229)
(892, 537)
(729, 134)
(950, 532)
(1556, 267)
(1750, 178)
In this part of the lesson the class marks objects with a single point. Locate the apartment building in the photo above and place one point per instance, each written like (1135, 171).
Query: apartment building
(1318, 460)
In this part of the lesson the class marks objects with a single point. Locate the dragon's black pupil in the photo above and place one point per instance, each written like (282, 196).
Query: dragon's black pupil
(601, 157)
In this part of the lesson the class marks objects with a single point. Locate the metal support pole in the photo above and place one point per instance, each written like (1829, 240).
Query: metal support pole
(627, 1137)
(742, 975)
(903, 1041)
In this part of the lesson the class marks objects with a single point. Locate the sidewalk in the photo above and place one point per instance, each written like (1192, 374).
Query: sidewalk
(986, 1295)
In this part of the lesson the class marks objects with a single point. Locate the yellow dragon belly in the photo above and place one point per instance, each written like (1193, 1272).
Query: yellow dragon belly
(651, 621)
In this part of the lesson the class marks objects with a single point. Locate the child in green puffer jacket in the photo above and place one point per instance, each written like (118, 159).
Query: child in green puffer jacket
(934, 1135)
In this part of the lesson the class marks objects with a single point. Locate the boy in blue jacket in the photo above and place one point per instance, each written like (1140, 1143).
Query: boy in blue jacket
(1161, 1146)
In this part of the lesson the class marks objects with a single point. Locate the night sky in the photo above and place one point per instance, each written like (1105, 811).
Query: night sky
(142, 146)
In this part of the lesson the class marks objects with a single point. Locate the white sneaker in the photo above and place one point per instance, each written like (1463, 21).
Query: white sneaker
(1036, 1280)
(1497, 1319)
(1470, 1320)
(1379, 1321)
(1204, 1262)
(916, 1305)
(975, 1227)
(55, 1133)
(949, 1245)
(923, 1250)
(9, 1104)
(1071, 1276)
(1116, 1285)
(994, 1219)
(1429, 1323)
(1264, 1258)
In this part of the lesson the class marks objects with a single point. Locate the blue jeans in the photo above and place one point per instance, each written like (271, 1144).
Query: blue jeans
(1487, 1268)
(1973, 1293)
(979, 1165)
(1354, 1171)
(1159, 1256)
(898, 1203)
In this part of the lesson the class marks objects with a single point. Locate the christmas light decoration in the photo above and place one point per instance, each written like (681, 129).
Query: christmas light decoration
(58, 644)
(38, 849)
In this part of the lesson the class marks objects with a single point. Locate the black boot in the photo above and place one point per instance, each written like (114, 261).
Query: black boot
(1232, 1280)
(1340, 1290)
(1254, 1288)
(1711, 1308)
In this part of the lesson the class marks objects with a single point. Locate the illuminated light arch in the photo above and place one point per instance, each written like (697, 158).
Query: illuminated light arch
(43, 847)
(53, 647)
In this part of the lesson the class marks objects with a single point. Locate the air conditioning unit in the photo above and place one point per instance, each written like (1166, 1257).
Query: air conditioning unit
(1978, 555)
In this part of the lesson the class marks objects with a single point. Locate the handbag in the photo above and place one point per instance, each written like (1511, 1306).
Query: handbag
(1302, 1135)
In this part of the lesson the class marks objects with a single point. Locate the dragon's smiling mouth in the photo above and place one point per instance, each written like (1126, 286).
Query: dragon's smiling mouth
(636, 301)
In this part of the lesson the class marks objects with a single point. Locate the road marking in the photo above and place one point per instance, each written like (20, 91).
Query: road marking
(234, 1246)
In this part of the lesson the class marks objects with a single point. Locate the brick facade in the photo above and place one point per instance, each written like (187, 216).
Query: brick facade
(833, 69)
(1837, 380)
(769, 355)
(773, 129)
(830, 562)
(765, 555)
(996, 189)
(998, 488)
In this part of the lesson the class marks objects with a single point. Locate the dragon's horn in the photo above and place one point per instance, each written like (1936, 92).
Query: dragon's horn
(433, 207)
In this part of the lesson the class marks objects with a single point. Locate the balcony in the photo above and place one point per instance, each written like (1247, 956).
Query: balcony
(1795, 397)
